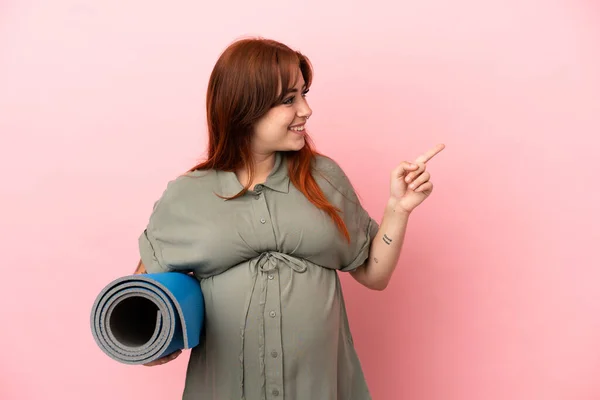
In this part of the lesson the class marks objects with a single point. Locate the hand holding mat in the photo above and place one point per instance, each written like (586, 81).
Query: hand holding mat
(140, 318)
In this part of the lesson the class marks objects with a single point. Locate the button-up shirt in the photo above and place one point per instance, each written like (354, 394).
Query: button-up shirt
(275, 321)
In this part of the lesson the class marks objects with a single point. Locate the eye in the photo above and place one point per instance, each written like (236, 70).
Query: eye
(290, 100)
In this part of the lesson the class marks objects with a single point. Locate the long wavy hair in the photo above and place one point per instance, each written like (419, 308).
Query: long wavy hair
(250, 77)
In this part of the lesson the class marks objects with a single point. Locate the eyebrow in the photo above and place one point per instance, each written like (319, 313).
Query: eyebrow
(294, 90)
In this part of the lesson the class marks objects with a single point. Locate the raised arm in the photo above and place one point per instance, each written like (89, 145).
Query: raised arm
(410, 186)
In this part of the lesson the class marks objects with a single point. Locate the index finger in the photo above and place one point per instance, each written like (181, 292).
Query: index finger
(423, 158)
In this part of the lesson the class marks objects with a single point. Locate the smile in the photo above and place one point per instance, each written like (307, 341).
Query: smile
(297, 128)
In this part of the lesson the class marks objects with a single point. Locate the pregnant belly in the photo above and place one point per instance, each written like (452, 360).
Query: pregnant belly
(296, 312)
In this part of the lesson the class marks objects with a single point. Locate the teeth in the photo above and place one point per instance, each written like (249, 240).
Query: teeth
(298, 128)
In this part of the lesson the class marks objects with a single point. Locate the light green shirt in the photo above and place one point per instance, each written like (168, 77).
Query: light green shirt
(275, 321)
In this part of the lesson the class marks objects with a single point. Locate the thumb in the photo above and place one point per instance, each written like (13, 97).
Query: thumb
(403, 169)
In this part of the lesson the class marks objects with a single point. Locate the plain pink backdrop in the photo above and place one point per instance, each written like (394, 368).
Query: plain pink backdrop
(496, 295)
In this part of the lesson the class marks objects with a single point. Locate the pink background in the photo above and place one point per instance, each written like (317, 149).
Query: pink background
(497, 292)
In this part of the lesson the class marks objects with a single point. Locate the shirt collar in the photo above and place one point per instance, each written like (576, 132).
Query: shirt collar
(277, 180)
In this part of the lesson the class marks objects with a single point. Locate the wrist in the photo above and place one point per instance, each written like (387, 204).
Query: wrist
(393, 207)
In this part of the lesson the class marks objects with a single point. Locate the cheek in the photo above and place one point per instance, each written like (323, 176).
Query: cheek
(284, 120)
(274, 126)
(278, 125)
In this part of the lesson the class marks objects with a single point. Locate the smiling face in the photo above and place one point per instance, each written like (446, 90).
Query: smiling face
(282, 128)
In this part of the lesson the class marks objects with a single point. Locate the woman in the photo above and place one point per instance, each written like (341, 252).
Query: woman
(265, 223)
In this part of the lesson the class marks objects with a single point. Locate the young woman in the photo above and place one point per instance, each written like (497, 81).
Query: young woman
(265, 223)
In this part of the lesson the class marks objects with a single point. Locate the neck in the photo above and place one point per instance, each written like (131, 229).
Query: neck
(263, 165)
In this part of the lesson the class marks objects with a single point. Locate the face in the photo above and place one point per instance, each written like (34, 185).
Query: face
(282, 127)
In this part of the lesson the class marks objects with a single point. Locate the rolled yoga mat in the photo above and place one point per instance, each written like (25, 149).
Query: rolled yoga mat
(139, 318)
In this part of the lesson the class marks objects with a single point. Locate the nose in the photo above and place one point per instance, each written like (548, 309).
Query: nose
(304, 111)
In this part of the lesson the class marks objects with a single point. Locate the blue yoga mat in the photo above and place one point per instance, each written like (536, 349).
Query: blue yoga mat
(139, 318)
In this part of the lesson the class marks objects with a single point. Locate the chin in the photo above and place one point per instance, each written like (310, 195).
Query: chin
(297, 145)
(290, 143)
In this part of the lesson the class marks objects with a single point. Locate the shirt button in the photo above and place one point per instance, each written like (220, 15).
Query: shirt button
(258, 187)
(274, 354)
(262, 220)
(272, 313)
(275, 392)
(271, 276)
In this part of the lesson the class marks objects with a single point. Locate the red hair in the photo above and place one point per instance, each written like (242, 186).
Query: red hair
(250, 77)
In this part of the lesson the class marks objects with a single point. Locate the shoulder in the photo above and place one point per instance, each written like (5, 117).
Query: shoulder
(325, 164)
(328, 170)
(188, 185)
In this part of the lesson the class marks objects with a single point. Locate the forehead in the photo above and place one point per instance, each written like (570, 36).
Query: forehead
(300, 80)
(293, 78)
